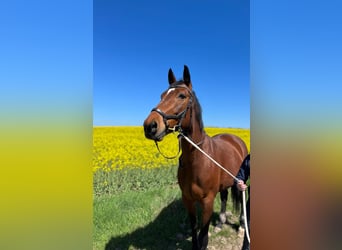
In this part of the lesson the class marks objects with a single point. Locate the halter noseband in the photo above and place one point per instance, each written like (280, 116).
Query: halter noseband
(180, 116)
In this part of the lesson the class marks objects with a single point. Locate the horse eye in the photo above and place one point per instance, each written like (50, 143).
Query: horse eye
(181, 96)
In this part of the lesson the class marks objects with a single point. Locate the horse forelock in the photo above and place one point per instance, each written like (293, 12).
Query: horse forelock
(177, 83)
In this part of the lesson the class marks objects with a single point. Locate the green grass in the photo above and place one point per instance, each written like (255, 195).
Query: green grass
(145, 216)
(138, 220)
(136, 179)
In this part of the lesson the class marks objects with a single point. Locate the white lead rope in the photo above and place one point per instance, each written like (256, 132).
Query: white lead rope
(229, 173)
(245, 214)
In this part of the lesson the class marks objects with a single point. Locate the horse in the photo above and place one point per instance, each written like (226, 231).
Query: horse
(199, 179)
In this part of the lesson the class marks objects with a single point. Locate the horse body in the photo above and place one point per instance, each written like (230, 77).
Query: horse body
(196, 167)
(199, 179)
(230, 150)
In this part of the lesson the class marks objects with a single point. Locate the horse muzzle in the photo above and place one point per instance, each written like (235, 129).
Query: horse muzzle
(154, 130)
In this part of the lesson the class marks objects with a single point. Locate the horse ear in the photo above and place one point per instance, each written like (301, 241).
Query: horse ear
(186, 75)
(172, 77)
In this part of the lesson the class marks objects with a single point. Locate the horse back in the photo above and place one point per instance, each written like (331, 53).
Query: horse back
(232, 143)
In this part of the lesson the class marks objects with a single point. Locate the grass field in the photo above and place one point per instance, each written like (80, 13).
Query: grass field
(136, 196)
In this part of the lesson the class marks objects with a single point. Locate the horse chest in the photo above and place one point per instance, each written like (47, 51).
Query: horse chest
(191, 190)
(194, 186)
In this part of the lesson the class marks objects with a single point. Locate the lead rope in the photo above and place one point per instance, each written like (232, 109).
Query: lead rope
(165, 156)
(225, 170)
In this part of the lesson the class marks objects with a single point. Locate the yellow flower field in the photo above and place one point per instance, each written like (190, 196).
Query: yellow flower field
(116, 148)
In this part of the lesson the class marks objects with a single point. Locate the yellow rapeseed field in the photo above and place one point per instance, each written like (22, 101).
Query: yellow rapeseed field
(116, 148)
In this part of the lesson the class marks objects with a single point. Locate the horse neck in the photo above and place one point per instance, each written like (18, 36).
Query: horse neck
(195, 132)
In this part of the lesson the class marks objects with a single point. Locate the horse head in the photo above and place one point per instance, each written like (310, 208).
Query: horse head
(172, 112)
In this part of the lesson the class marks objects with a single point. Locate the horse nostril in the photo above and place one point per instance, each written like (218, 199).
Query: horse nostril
(151, 129)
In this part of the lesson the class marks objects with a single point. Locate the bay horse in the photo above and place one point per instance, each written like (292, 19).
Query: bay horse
(199, 179)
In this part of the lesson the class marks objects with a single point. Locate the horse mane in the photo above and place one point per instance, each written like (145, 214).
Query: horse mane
(198, 111)
(195, 105)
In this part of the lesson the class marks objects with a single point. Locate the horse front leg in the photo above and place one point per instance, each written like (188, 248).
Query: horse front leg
(191, 208)
(207, 211)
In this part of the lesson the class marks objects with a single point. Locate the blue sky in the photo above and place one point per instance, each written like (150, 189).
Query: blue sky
(136, 42)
